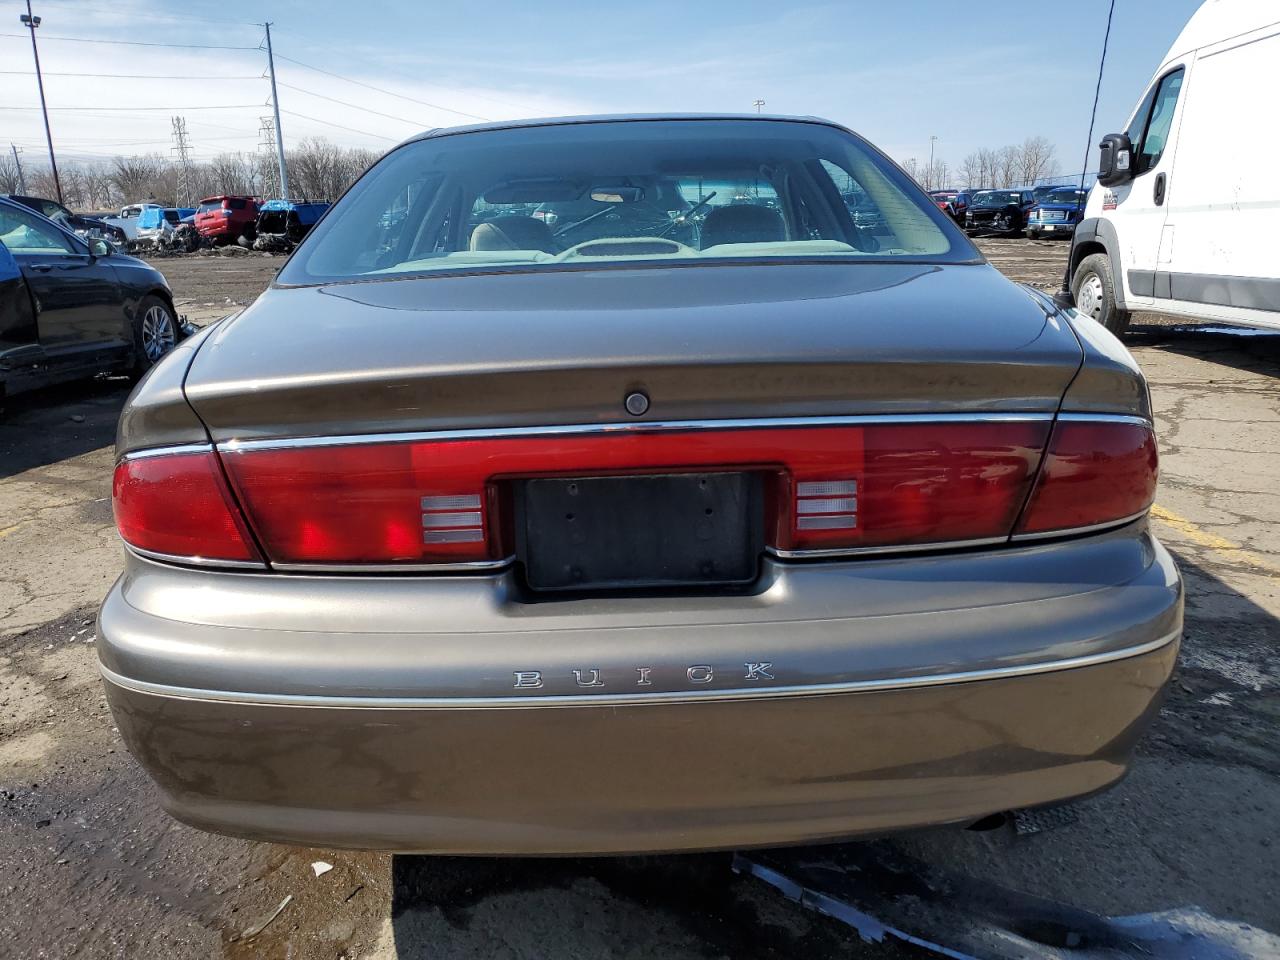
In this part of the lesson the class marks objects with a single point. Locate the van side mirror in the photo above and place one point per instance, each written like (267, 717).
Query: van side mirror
(1115, 160)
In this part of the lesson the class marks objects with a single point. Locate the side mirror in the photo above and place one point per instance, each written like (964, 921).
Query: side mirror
(1115, 160)
(101, 248)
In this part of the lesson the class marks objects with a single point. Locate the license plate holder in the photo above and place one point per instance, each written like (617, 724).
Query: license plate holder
(636, 532)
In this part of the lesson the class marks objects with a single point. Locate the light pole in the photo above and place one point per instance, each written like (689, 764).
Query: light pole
(757, 104)
(31, 22)
(932, 141)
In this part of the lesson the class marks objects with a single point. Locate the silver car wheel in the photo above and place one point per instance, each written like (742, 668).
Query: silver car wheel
(1089, 300)
(158, 333)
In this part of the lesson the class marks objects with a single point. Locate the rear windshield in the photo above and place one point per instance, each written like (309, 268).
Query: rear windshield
(598, 194)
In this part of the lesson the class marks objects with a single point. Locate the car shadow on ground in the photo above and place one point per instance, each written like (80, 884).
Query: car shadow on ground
(1191, 826)
(1244, 348)
(57, 423)
(676, 906)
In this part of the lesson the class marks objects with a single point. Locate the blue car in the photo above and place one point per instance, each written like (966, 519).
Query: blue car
(1056, 213)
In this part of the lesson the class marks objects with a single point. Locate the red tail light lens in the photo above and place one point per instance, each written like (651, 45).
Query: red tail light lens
(917, 484)
(372, 503)
(836, 487)
(178, 504)
(1096, 472)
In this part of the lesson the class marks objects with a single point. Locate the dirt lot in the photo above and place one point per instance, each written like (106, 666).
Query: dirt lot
(90, 866)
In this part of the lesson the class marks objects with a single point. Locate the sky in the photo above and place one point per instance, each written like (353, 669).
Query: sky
(970, 73)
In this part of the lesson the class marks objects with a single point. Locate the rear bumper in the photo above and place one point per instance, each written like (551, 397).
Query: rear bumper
(897, 694)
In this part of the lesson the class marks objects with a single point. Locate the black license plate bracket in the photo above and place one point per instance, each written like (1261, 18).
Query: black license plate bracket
(637, 532)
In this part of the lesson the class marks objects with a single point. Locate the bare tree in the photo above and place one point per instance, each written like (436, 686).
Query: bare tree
(231, 173)
(9, 180)
(135, 178)
(1007, 161)
(1036, 160)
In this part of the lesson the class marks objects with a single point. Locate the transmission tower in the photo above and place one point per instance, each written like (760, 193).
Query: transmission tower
(182, 148)
(267, 144)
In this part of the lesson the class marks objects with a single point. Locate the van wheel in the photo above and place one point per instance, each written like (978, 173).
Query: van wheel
(155, 333)
(1095, 293)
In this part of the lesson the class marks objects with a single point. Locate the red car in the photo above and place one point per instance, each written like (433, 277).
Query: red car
(227, 219)
(954, 203)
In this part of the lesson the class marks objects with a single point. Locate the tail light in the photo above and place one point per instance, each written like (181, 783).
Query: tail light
(178, 504)
(1096, 472)
(441, 501)
(830, 489)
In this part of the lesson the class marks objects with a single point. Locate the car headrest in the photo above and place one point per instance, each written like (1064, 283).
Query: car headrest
(513, 233)
(742, 223)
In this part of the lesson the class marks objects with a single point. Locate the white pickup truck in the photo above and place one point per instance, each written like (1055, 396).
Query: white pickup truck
(128, 218)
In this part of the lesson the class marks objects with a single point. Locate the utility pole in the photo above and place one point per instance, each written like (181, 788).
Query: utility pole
(17, 162)
(31, 22)
(757, 104)
(932, 141)
(275, 105)
(182, 147)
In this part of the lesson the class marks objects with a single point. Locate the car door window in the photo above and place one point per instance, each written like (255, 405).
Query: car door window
(25, 233)
(1156, 132)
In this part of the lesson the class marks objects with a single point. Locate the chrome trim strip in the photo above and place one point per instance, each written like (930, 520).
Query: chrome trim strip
(175, 450)
(202, 562)
(460, 566)
(1076, 531)
(827, 552)
(655, 426)
(529, 701)
(1104, 418)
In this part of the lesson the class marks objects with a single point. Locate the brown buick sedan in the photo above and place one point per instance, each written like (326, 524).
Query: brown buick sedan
(607, 484)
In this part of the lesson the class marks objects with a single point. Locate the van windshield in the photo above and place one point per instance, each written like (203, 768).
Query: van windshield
(639, 191)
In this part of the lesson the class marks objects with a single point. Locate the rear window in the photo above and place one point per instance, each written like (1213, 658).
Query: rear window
(660, 192)
(207, 205)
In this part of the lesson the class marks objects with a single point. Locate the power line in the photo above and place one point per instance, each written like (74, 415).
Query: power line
(354, 106)
(223, 106)
(390, 93)
(138, 43)
(330, 123)
(126, 76)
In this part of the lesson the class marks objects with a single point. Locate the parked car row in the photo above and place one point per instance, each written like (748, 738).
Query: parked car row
(263, 225)
(1038, 211)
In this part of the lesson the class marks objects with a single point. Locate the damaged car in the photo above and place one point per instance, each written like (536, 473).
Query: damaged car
(479, 534)
(168, 228)
(87, 228)
(283, 223)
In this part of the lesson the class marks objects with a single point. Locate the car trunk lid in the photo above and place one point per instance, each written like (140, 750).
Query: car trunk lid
(567, 347)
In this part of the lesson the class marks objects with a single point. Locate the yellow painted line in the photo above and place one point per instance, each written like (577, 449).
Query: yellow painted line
(1221, 547)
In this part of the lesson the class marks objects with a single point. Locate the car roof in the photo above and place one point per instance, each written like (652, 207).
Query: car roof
(617, 118)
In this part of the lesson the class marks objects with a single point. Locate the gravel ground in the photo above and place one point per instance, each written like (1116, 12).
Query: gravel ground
(91, 867)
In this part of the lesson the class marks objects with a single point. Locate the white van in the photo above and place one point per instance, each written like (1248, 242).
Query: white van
(1185, 218)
